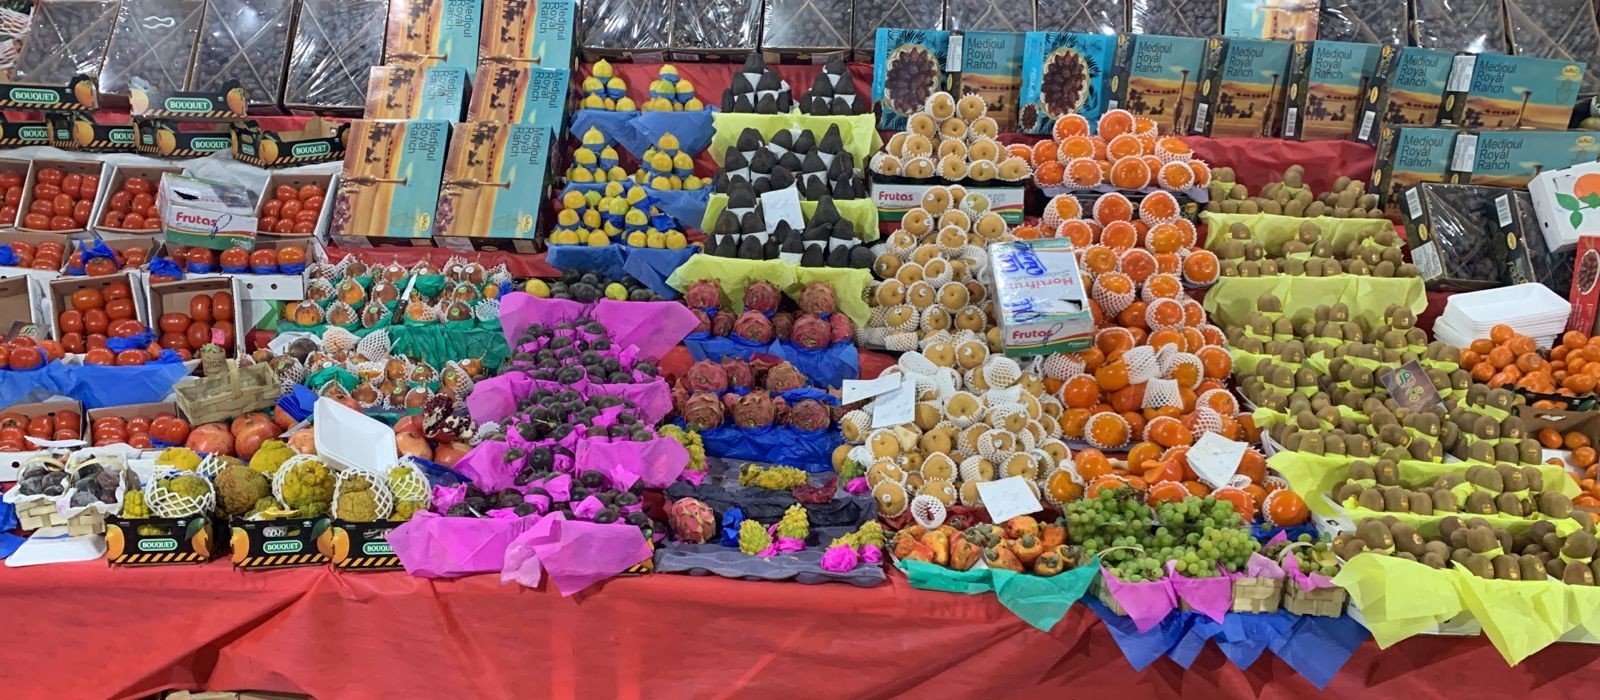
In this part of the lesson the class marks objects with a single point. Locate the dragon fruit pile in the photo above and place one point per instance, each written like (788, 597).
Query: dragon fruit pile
(746, 394)
(813, 323)
(584, 496)
(572, 351)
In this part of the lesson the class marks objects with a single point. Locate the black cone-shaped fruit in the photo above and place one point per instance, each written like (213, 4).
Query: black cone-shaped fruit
(763, 162)
(790, 161)
(740, 85)
(734, 160)
(727, 246)
(769, 82)
(839, 256)
(742, 105)
(781, 178)
(750, 140)
(822, 86)
(750, 248)
(741, 197)
(843, 230)
(805, 143)
(783, 138)
(727, 100)
(727, 223)
(861, 257)
(768, 104)
(813, 164)
(815, 256)
(815, 187)
(832, 142)
(826, 212)
(752, 222)
(754, 64)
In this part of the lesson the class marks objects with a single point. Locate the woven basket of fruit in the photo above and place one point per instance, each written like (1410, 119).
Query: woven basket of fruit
(1257, 594)
(236, 392)
(1320, 602)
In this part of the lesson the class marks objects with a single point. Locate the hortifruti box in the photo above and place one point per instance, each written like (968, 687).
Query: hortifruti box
(390, 182)
(1064, 73)
(494, 181)
(1043, 305)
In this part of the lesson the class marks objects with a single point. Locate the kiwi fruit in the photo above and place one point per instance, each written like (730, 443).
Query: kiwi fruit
(1448, 481)
(1459, 555)
(1444, 501)
(1594, 572)
(1396, 500)
(1485, 477)
(1579, 545)
(1347, 491)
(1448, 526)
(1578, 575)
(1387, 472)
(1508, 504)
(1434, 560)
(1361, 470)
(1421, 503)
(1557, 567)
(1479, 565)
(1480, 503)
(1507, 452)
(1406, 539)
(1406, 556)
(1531, 568)
(1481, 539)
(1507, 567)
(1480, 451)
(1555, 505)
(1371, 499)
(1511, 477)
(1376, 535)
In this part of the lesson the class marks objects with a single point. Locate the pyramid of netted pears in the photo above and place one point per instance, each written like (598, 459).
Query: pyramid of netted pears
(603, 89)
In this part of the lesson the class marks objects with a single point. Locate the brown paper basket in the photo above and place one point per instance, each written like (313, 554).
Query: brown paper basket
(1257, 594)
(1323, 602)
(235, 393)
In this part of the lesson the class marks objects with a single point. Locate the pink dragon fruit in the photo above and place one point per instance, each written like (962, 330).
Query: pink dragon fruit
(739, 372)
(706, 375)
(809, 414)
(705, 294)
(722, 324)
(702, 322)
(782, 324)
(841, 326)
(702, 411)
(728, 400)
(817, 298)
(762, 296)
(692, 520)
(753, 326)
(753, 410)
(811, 332)
(780, 410)
(680, 397)
(784, 377)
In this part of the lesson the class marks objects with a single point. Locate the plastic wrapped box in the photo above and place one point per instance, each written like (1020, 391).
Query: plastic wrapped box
(1473, 26)
(65, 38)
(1196, 18)
(806, 26)
(1363, 21)
(335, 43)
(990, 16)
(1450, 229)
(871, 15)
(247, 41)
(716, 25)
(625, 26)
(1082, 16)
(153, 41)
(1560, 29)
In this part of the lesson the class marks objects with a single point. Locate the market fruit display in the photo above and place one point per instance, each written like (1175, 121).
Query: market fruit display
(666, 166)
(590, 287)
(16, 428)
(1289, 196)
(94, 314)
(89, 258)
(942, 142)
(60, 201)
(757, 89)
(810, 322)
(618, 213)
(671, 92)
(1503, 489)
(208, 320)
(133, 207)
(1195, 537)
(828, 239)
(1509, 359)
(1123, 153)
(833, 92)
(1485, 551)
(1021, 544)
(24, 353)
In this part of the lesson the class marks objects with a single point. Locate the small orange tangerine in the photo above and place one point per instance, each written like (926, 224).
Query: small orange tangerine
(1070, 125)
(1083, 172)
(1080, 391)
(1176, 176)
(1112, 206)
(1113, 340)
(1130, 174)
(1049, 173)
(1550, 439)
(1111, 376)
(1213, 335)
(1500, 357)
(1168, 432)
(1482, 346)
(1119, 235)
(1106, 429)
(1163, 286)
(1124, 146)
(1202, 173)
(1077, 231)
(1099, 260)
(1164, 337)
(1241, 502)
(1076, 147)
(1138, 264)
(1521, 345)
(1044, 152)
(1163, 238)
(1169, 263)
(1091, 358)
(1128, 398)
(1165, 313)
(1501, 333)
(1115, 123)
(1167, 492)
(1066, 207)
(1194, 314)
(1218, 363)
(1201, 267)
(1133, 317)
(1113, 283)
(1192, 340)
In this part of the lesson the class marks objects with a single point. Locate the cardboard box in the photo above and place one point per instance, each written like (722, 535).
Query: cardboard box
(1530, 260)
(21, 301)
(205, 213)
(644, 36)
(245, 41)
(14, 134)
(1407, 89)
(121, 244)
(1491, 91)
(136, 410)
(1210, 85)
(94, 132)
(494, 182)
(333, 45)
(277, 544)
(167, 138)
(1248, 99)
(11, 462)
(1585, 293)
(870, 17)
(1567, 203)
(1157, 77)
(894, 200)
(1409, 156)
(540, 30)
(991, 67)
(321, 141)
(61, 290)
(18, 167)
(329, 184)
(1266, 19)
(1449, 232)
(360, 546)
(1044, 307)
(117, 176)
(160, 541)
(389, 186)
(36, 240)
(1513, 158)
(174, 297)
(1327, 79)
(434, 33)
(1048, 59)
(416, 92)
(67, 167)
(907, 52)
(714, 30)
(78, 95)
(515, 94)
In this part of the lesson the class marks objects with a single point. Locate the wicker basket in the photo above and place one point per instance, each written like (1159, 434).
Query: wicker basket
(235, 393)
(1322, 602)
(1103, 593)
(1257, 594)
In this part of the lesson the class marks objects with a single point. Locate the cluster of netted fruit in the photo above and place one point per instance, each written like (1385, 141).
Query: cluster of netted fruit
(1139, 240)
(1125, 152)
(952, 140)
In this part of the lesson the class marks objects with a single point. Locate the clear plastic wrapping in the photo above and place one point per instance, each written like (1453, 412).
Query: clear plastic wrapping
(1473, 26)
(247, 41)
(807, 24)
(152, 41)
(716, 24)
(1196, 18)
(892, 14)
(1532, 261)
(65, 38)
(1455, 247)
(631, 25)
(1560, 29)
(336, 42)
(1083, 16)
(991, 16)
(1363, 21)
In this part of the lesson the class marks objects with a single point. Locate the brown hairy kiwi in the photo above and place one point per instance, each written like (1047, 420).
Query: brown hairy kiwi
(1532, 568)
(1459, 555)
(1481, 539)
(1480, 503)
(1555, 505)
(1444, 501)
(1507, 568)
(1507, 452)
(1447, 527)
(1480, 451)
(1485, 477)
(1421, 503)
(1578, 575)
(1347, 491)
(1361, 470)
(1349, 548)
(1396, 500)
(1579, 545)
(1406, 539)
(1387, 472)
(1508, 504)
(1448, 481)
(1375, 534)
(1479, 565)
(1434, 560)
(1511, 477)
(1371, 499)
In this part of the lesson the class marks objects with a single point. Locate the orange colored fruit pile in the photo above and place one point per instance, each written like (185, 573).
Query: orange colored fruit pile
(1126, 152)
(1507, 358)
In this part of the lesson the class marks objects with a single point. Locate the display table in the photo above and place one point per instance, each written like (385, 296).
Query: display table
(84, 631)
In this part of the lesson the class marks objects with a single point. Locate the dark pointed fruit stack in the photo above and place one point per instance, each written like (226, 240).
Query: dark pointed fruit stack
(792, 157)
(757, 89)
(833, 92)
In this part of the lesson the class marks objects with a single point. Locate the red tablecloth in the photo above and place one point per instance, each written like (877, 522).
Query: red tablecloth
(84, 632)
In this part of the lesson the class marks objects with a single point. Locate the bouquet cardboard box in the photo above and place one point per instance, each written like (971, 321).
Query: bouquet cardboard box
(1041, 299)
(1568, 203)
(909, 66)
(1243, 94)
(1513, 158)
(1157, 77)
(359, 546)
(494, 182)
(1064, 74)
(29, 133)
(329, 182)
(160, 541)
(514, 94)
(1327, 79)
(416, 92)
(225, 102)
(1530, 259)
(805, 30)
(991, 67)
(1448, 228)
(1271, 19)
(517, 31)
(1492, 91)
(277, 544)
(167, 138)
(319, 142)
(428, 33)
(1407, 89)
(1411, 155)
(206, 213)
(97, 132)
(389, 186)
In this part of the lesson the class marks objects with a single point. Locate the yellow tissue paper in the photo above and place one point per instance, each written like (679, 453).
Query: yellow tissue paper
(859, 133)
(1231, 298)
(1519, 617)
(735, 275)
(861, 213)
(1398, 598)
(1273, 230)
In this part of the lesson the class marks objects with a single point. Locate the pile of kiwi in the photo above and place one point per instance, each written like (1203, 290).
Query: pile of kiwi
(1348, 199)
(1463, 429)
(1504, 489)
(1485, 551)
(1312, 253)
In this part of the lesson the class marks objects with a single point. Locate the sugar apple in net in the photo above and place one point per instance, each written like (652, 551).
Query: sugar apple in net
(308, 488)
(239, 488)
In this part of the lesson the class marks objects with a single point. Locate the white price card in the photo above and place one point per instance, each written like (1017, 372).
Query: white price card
(861, 389)
(896, 407)
(782, 205)
(1008, 498)
(1215, 458)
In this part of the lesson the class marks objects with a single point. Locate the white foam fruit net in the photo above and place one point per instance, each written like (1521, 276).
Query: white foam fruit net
(917, 363)
(1000, 371)
(928, 511)
(1112, 303)
(1152, 314)
(376, 345)
(486, 310)
(283, 470)
(383, 500)
(1206, 420)
(406, 482)
(336, 340)
(167, 503)
(1214, 397)
(1088, 433)
(1162, 392)
(1142, 364)
(1059, 366)
(900, 342)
